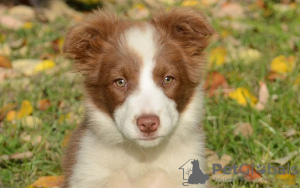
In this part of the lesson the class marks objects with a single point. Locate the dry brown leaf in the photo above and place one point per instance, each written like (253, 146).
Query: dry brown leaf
(214, 81)
(251, 175)
(44, 104)
(48, 182)
(282, 161)
(5, 62)
(18, 43)
(18, 156)
(263, 96)
(290, 132)
(244, 129)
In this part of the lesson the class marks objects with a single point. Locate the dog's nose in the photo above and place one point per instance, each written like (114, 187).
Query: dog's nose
(148, 124)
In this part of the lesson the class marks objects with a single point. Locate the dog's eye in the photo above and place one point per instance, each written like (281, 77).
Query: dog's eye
(168, 80)
(121, 83)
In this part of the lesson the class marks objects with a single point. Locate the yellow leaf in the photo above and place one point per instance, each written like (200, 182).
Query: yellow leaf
(282, 64)
(217, 56)
(242, 96)
(48, 182)
(27, 25)
(289, 179)
(189, 3)
(11, 115)
(25, 110)
(44, 65)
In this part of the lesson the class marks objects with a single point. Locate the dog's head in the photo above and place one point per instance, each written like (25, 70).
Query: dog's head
(139, 76)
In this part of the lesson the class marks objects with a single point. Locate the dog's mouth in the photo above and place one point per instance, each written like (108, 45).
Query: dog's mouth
(149, 138)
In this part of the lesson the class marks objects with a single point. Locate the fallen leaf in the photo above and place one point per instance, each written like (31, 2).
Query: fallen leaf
(214, 81)
(26, 109)
(283, 64)
(5, 109)
(213, 158)
(138, 11)
(249, 173)
(22, 12)
(16, 44)
(289, 133)
(11, 115)
(189, 3)
(248, 55)
(48, 182)
(225, 160)
(288, 179)
(244, 129)
(25, 66)
(18, 156)
(243, 96)
(5, 62)
(31, 122)
(44, 104)
(282, 161)
(263, 96)
(44, 65)
(273, 76)
(217, 56)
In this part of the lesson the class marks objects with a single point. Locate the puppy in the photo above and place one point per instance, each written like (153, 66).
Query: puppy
(144, 99)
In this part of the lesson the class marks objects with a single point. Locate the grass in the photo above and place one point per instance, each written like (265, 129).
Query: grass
(63, 89)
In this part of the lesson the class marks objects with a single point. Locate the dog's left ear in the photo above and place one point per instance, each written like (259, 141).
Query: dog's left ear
(188, 27)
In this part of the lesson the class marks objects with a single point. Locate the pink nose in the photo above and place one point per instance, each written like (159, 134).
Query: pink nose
(148, 124)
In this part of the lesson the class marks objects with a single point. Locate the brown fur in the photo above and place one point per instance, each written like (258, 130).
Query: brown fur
(184, 34)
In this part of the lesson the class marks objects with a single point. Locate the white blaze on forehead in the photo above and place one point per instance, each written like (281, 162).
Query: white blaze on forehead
(142, 41)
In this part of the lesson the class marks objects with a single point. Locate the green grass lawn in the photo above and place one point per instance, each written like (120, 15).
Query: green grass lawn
(271, 34)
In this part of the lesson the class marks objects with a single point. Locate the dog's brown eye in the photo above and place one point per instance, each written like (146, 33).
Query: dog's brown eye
(168, 80)
(121, 83)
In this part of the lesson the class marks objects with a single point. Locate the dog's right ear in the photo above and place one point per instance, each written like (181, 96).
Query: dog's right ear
(84, 42)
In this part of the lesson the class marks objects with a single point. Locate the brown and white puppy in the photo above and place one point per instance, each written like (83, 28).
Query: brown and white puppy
(143, 87)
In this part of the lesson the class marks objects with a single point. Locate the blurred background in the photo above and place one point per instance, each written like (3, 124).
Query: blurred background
(252, 87)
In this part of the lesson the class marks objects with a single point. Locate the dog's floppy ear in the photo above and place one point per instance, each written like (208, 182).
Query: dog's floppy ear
(85, 42)
(188, 27)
